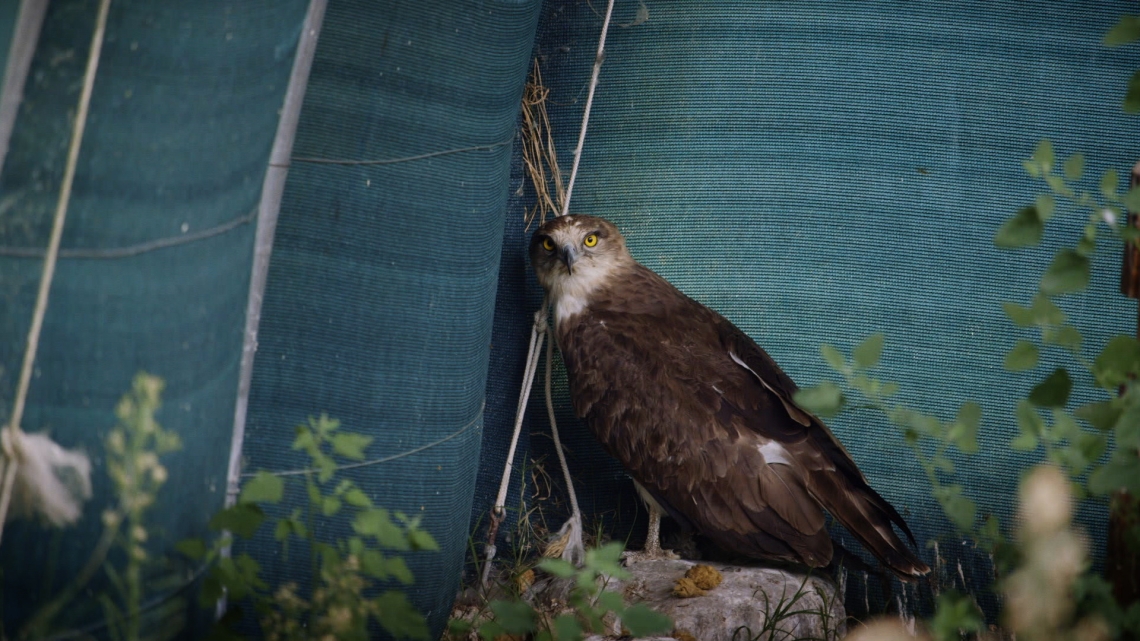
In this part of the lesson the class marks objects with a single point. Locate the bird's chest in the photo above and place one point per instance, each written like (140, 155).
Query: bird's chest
(630, 385)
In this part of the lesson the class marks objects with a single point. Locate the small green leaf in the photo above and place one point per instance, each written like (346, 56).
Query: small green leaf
(1024, 442)
(1053, 391)
(1075, 166)
(1126, 30)
(641, 621)
(264, 487)
(964, 432)
(1118, 362)
(991, 528)
(1121, 472)
(557, 567)
(516, 617)
(1064, 426)
(193, 549)
(1043, 155)
(350, 445)
(1086, 246)
(356, 498)
(212, 590)
(1102, 415)
(954, 615)
(889, 389)
(400, 618)
(1023, 356)
(1131, 103)
(324, 425)
(607, 559)
(1023, 230)
(378, 523)
(611, 601)
(825, 399)
(867, 354)
(1109, 181)
(326, 467)
(459, 627)
(1131, 200)
(567, 628)
(491, 630)
(373, 563)
(943, 464)
(421, 540)
(1069, 272)
(1065, 336)
(330, 505)
(1044, 206)
(1021, 316)
(1029, 420)
(832, 356)
(242, 519)
(1058, 185)
(960, 510)
(398, 568)
(303, 439)
(1046, 312)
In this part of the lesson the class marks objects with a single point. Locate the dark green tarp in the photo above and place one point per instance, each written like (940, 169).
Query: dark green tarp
(182, 119)
(382, 282)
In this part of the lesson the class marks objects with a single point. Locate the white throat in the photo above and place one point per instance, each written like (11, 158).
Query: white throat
(570, 294)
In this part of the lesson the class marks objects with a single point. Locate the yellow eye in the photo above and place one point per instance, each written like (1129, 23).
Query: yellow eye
(590, 240)
(548, 244)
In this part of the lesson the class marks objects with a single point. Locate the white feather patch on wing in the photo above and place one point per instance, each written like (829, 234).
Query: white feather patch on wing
(796, 413)
(773, 452)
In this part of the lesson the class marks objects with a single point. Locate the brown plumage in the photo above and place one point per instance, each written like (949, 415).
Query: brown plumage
(699, 414)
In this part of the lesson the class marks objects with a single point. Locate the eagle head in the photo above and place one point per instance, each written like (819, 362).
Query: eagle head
(574, 256)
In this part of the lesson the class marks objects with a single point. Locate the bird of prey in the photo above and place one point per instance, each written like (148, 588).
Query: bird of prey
(699, 415)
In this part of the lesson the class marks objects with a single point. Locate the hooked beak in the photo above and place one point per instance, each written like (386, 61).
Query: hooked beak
(568, 254)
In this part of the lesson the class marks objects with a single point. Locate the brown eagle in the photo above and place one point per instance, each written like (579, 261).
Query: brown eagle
(700, 416)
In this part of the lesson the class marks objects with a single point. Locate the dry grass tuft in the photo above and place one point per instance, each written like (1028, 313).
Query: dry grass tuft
(538, 152)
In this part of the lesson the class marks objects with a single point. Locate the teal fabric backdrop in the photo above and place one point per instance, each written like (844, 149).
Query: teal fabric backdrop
(381, 288)
(182, 119)
(818, 172)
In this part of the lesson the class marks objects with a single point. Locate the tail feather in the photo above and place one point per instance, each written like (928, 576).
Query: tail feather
(869, 518)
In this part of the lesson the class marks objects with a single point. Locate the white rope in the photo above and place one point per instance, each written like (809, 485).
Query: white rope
(537, 335)
(12, 433)
(571, 531)
(574, 550)
(598, 58)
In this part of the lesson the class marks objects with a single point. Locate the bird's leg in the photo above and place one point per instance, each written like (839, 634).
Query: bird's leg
(653, 536)
(652, 550)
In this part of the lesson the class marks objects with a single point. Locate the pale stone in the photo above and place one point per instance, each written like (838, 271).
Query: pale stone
(750, 603)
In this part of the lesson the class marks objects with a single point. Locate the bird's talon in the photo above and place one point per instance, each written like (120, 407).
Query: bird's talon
(629, 558)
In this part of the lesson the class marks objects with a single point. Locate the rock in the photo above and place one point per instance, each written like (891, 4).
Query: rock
(749, 602)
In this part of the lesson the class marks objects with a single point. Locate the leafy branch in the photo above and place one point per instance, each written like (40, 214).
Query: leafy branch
(345, 571)
(590, 605)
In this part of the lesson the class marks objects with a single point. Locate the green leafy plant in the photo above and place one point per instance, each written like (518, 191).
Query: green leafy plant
(347, 573)
(590, 604)
(133, 450)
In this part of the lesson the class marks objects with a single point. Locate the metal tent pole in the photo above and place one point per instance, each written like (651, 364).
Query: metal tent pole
(268, 210)
(25, 35)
